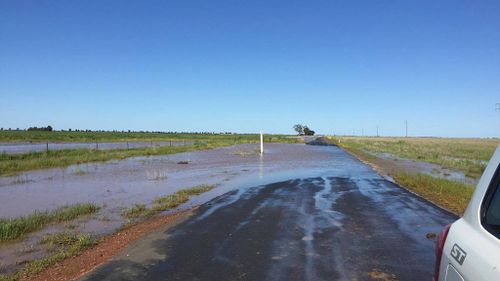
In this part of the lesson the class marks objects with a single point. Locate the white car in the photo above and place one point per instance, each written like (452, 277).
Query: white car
(469, 249)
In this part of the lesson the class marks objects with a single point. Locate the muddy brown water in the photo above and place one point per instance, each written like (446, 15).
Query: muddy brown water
(341, 222)
(115, 185)
(25, 147)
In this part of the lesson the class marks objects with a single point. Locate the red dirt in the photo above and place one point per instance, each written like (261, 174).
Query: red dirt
(75, 267)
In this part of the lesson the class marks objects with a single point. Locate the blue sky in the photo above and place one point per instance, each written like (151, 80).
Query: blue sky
(244, 66)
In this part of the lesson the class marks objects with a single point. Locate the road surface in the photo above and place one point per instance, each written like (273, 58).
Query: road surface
(347, 223)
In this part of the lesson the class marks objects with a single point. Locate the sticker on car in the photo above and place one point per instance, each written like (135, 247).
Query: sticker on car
(458, 254)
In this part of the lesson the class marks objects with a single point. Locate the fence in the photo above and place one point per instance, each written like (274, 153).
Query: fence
(17, 148)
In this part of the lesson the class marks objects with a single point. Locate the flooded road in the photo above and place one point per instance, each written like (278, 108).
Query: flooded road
(117, 185)
(335, 221)
(20, 147)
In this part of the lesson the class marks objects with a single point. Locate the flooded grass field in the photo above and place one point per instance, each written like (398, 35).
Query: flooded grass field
(17, 148)
(443, 170)
(64, 154)
(469, 156)
(118, 186)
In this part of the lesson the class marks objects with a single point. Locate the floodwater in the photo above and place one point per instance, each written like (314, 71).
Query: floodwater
(340, 222)
(115, 185)
(428, 168)
(16, 148)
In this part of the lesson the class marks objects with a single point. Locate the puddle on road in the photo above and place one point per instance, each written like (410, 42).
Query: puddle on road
(115, 185)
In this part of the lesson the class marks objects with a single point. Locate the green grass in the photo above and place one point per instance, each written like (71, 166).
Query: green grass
(134, 211)
(68, 245)
(11, 164)
(11, 229)
(60, 239)
(165, 203)
(467, 155)
(59, 136)
(454, 196)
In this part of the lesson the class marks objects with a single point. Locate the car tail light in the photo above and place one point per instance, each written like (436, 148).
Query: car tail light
(439, 251)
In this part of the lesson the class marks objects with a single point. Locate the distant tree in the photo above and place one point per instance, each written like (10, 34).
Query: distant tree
(48, 128)
(308, 132)
(299, 129)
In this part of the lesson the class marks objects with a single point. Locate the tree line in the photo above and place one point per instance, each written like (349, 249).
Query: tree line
(47, 129)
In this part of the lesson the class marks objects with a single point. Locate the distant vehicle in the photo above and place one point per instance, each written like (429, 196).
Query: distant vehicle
(469, 249)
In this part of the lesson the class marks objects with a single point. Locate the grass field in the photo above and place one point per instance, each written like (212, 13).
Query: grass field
(59, 136)
(467, 155)
(14, 163)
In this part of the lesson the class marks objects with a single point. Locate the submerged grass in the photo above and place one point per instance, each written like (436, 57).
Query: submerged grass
(450, 194)
(134, 211)
(14, 163)
(11, 229)
(67, 245)
(167, 202)
(59, 239)
(467, 155)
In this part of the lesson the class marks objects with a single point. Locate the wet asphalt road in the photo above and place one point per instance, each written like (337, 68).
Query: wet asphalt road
(346, 224)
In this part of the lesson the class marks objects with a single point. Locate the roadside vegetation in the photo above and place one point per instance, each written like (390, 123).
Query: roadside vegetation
(12, 229)
(467, 155)
(14, 163)
(64, 245)
(61, 245)
(452, 195)
(164, 203)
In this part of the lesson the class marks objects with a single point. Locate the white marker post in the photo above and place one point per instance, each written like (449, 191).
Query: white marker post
(261, 143)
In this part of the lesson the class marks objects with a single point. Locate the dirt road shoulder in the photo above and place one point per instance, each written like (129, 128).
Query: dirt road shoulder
(75, 267)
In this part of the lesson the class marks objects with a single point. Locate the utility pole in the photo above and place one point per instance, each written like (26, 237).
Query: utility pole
(406, 126)
(362, 132)
(377, 131)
